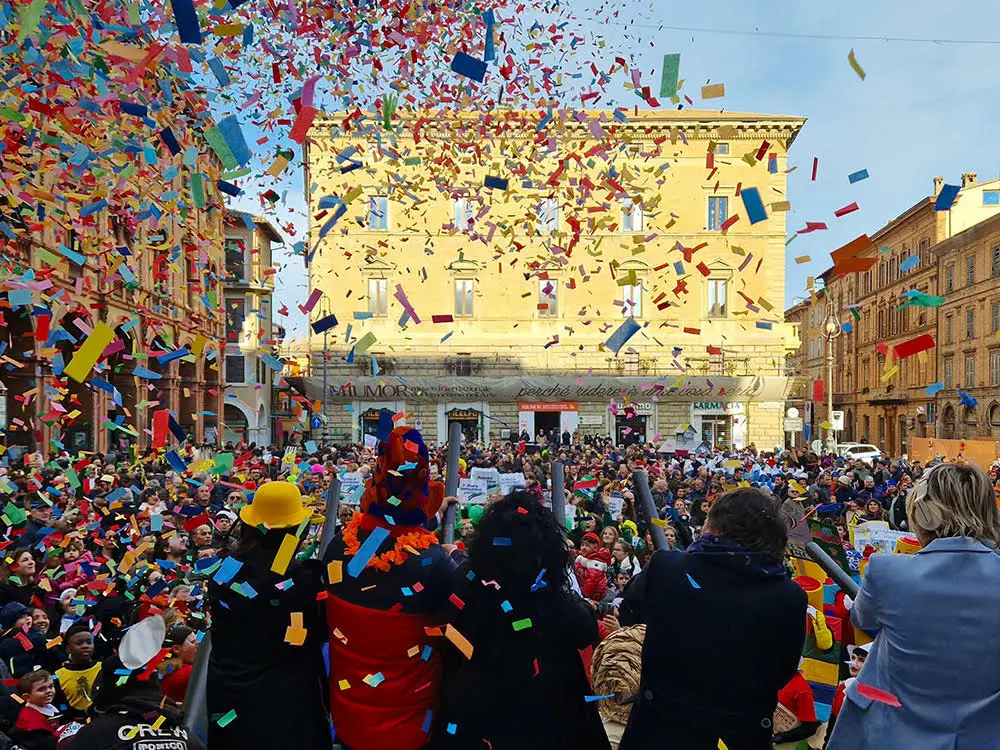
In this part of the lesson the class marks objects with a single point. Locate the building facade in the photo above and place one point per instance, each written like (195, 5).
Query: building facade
(968, 351)
(252, 338)
(606, 274)
(885, 399)
(150, 270)
(806, 366)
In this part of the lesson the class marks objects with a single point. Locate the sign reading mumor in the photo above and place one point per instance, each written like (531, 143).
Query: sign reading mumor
(538, 388)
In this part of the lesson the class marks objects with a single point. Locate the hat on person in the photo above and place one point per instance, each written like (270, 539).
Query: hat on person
(106, 478)
(844, 480)
(590, 536)
(400, 485)
(276, 505)
(225, 514)
(11, 613)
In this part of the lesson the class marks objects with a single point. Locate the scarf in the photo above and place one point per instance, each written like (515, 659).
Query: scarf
(713, 545)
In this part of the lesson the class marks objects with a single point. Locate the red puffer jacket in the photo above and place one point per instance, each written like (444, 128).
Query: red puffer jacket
(592, 574)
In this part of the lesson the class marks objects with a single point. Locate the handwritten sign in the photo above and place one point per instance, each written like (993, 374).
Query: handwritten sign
(472, 491)
(351, 487)
(511, 482)
(490, 476)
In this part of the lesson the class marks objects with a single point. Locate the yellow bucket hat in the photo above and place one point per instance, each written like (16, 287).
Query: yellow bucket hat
(276, 505)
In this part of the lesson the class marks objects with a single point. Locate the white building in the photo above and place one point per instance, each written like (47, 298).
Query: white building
(251, 336)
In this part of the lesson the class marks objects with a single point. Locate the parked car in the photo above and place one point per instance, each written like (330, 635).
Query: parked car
(862, 451)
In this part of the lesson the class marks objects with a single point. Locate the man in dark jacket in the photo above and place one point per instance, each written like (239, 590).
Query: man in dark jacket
(731, 588)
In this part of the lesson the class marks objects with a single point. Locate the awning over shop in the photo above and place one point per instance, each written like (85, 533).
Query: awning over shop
(550, 388)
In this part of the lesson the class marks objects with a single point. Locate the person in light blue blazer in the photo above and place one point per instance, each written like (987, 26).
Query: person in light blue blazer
(937, 614)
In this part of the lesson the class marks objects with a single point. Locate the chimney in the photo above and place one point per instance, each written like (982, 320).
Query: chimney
(969, 179)
(938, 184)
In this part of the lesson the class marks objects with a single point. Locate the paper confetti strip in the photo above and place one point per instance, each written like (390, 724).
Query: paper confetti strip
(856, 65)
(367, 551)
(669, 75)
(284, 555)
(619, 338)
(458, 640)
(87, 355)
(875, 694)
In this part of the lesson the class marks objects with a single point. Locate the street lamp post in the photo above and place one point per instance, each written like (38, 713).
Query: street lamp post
(831, 330)
(322, 312)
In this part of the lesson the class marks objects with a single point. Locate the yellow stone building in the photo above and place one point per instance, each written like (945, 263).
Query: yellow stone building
(477, 269)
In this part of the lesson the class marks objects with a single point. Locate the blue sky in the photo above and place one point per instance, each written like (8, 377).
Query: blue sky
(924, 109)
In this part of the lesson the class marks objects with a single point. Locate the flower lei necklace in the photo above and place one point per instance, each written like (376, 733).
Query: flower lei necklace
(406, 544)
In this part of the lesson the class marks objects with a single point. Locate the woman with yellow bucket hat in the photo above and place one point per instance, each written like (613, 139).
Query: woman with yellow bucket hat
(268, 632)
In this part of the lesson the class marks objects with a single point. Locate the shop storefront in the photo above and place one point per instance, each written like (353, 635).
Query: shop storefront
(534, 417)
(634, 422)
(721, 424)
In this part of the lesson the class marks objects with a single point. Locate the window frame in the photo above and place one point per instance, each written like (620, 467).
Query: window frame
(225, 364)
(995, 367)
(713, 223)
(948, 376)
(233, 337)
(711, 284)
(970, 270)
(631, 209)
(551, 299)
(632, 300)
(467, 295)
(548, 216)
(375, 225)
(970, 370)
(970, 323)
(374, 308)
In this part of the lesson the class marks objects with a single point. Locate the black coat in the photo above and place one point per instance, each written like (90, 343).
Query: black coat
(498, 695)
(749, 633)
(276, 688)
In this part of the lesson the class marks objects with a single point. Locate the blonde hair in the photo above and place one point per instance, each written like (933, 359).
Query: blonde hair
(955, 500)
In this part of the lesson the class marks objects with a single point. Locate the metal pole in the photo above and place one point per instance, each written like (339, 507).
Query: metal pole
(196, 697)
(325, 389)
(559, 493)
(451, 481)
(648, 508)
(847, 584)
(330, 521)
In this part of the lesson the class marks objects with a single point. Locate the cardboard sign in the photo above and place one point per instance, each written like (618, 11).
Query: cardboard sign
(371, 441)
(472, 491)
(352, 486)
(511, 482)
(490, 476)
(615, 505)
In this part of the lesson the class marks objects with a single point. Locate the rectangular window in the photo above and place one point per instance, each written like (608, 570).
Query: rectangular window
(236, 368)
(632, 217)
(378, 213)
(970, 323)
(995, 262)
(632, 299)
(864, 374)
(717, 297)
(970, 263)
(991, 197)
(922, 250)
(548, 216)
(236, 313)
(948, 330)
(464, 214)
(236, 263)
(995, 368)
(995, 317)
(718, 212)
(463, 298)
(948, 366)
(721, 149)
(970, 370)
(378, 297)
(548, 302)
(949, 279)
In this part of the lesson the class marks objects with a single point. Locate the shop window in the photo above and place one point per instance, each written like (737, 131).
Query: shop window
(548, 298)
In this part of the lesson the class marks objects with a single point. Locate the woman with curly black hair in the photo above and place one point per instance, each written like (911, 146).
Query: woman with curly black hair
(524, 686)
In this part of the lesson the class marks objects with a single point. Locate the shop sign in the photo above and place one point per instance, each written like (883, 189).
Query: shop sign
(548, 406)
(710, 408)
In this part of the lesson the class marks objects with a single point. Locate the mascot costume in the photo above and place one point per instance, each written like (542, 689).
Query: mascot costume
(389, 585)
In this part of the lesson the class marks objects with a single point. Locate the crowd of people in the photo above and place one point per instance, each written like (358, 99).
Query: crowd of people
(393, 636)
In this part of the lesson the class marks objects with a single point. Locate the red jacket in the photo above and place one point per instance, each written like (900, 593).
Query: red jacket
(33, 720)
(392, 713)
(592, 574)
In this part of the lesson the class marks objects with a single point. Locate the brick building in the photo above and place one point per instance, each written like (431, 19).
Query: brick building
(885, 400)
